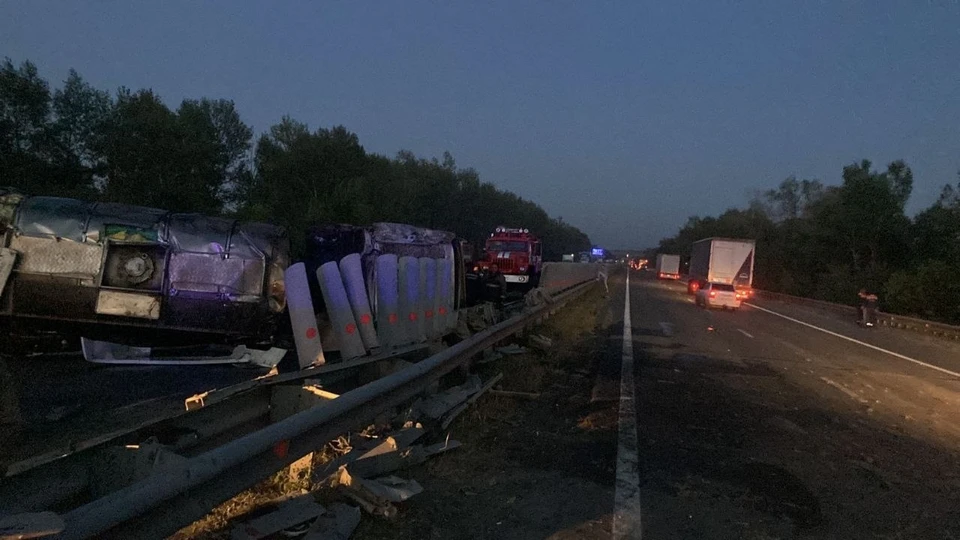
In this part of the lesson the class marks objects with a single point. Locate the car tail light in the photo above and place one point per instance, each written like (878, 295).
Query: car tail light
(713, 294)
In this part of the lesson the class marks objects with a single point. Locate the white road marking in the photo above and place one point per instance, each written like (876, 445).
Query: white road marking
(626, 502)
(666, 328)
(744, 332)
(858, 342)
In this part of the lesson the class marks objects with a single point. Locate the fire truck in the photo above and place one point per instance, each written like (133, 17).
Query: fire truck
(518, 255)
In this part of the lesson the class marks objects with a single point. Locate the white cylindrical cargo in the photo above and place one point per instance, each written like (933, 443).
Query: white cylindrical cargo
(303, 318)
(352, 274)
(389, 327)
(410, 299)
(339, 310)
(445, 295)
(428, 295)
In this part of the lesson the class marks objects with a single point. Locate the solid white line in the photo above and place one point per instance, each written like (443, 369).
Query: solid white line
(858, 342)
(626, 502)
(744, 332)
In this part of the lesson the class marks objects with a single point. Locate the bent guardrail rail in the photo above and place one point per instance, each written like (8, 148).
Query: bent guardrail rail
(188, 488)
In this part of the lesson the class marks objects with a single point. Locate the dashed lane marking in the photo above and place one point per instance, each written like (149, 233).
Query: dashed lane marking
(858, 342)
(626, 503)
(744, 332)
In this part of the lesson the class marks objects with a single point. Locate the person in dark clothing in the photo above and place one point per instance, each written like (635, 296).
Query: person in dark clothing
(495, 284)
(868, 308)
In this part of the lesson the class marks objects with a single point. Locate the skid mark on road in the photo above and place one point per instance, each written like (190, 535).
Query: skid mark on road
(858, 342)
(626, 504)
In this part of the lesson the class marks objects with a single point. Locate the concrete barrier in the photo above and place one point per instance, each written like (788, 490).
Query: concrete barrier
(558, 276)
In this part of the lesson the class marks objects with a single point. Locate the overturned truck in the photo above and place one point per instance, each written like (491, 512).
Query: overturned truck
(125, 272)
(403, 284)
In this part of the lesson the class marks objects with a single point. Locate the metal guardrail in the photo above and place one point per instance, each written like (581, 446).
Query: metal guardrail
(936, 329)
(187, 489)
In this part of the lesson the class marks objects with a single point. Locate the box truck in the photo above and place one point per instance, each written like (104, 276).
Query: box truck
(668, 266)
(722, 260)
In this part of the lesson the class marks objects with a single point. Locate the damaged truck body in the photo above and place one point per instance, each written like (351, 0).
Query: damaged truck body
(150, 277)
(100, 268)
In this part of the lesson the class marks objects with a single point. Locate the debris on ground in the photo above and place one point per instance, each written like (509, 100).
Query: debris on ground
(515, 394)
(452, 415)
(376, 496)
(288, 514)
(338, 523)
(30, 525)
(438, 405)
(540, 342)
(488, 356)
(512, 349)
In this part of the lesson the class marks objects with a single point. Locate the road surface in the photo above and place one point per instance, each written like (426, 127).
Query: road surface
(781, 421)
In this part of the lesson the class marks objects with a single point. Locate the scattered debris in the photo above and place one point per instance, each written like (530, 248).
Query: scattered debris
(488, 356)
(396, 441)
(512, 349)
(435, 407)
(105, 352)
(386, 488)
(541, 342)
(511, 393)
(338, 523)
(709, 329)
(381, 464)
(288, 513)
(30, 525)
(452, 415)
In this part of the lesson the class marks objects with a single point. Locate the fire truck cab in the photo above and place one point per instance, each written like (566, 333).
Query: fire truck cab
(518, 255)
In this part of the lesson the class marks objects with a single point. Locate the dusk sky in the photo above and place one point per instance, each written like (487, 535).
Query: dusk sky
(624, 118)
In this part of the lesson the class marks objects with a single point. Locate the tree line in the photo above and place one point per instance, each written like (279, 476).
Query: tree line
(130, 147)
(828, 242)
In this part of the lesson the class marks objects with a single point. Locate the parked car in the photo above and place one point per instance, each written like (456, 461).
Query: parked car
(722, 295)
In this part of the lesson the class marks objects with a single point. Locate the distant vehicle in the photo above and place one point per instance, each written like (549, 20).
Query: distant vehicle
(568, 257)
(668, 266)
(517, 254)
(722, 260)
(722, 295)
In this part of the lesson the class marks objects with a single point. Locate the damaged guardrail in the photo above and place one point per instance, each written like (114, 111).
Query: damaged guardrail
(936, 329)
(185, 489)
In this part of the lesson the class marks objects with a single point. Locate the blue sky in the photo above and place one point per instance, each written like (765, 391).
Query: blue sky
(624, 118)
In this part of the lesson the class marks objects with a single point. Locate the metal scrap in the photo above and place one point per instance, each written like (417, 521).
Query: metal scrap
(30, 525)
(379, 465)
(105, 352)
(540, 342)
(512, 349)
(386, 488)
(438, 405)
(452, 415)
(288, 513)
(396, 441)
(338, 523)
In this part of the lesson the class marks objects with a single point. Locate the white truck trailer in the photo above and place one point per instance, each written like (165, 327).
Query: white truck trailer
(722, 260)
(668, 266)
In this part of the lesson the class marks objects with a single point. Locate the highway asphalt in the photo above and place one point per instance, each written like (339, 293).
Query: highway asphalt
(782, 421)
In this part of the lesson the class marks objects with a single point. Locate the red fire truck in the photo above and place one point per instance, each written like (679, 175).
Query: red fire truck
(518, 255)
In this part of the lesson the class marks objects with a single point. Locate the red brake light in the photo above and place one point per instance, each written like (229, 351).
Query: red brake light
(713, 294)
